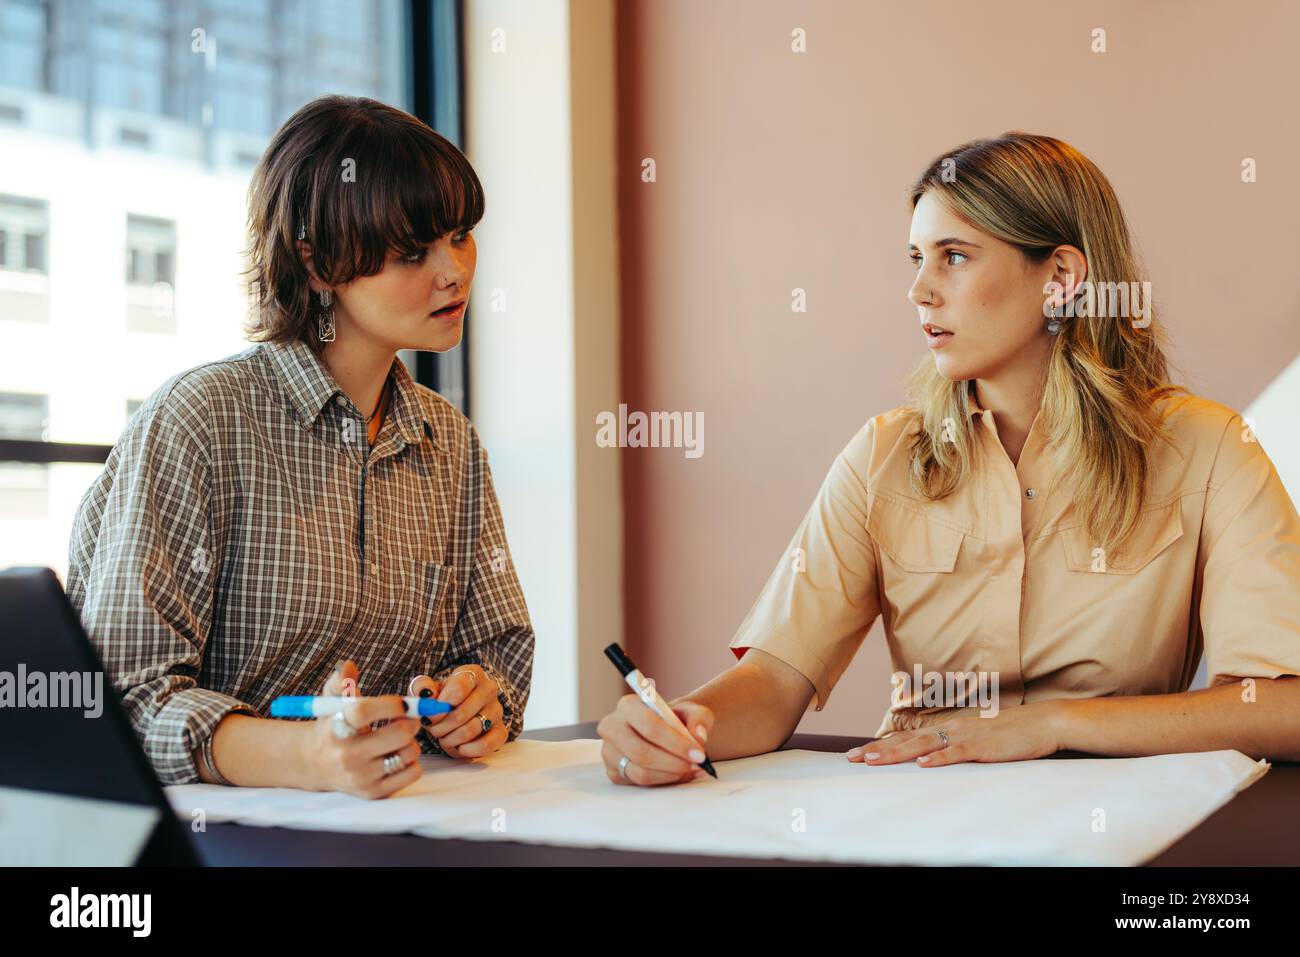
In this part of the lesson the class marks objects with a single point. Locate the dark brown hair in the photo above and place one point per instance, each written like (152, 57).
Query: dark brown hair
(409, 186)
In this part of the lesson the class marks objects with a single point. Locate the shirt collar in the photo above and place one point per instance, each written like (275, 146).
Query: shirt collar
(1034, 436)
(308, 385)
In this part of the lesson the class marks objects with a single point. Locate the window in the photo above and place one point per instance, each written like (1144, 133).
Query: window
(21, 38)
(24, 225)
(108, 291)
(150, 250)
(150, 274)
(24, 239)
(24, 487)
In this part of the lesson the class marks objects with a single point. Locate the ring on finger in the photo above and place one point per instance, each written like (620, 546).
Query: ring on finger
(623, 762)
(393, 763)
(414, 688)
(485, 721)
(943, 737)
(472, 677)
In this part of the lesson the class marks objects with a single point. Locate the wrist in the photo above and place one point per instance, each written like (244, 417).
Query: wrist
(301, 747)
(205, 755)
(1063, 717)
(212, 773)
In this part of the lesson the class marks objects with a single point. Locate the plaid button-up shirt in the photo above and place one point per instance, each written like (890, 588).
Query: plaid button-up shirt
(245, 536)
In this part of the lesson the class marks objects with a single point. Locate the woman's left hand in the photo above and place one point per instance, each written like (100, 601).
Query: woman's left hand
(1021, 733)
(460, 732)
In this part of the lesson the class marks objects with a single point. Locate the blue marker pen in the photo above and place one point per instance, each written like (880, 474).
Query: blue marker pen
(322, 706)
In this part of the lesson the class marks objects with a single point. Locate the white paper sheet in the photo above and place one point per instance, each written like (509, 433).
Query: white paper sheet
(41, 829)
(799, 805)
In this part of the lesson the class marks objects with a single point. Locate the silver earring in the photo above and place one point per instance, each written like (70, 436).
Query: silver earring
(1054, 324)
(325, 321)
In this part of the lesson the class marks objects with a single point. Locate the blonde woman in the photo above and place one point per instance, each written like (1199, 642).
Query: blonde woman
(1052, 532)
(304, 518)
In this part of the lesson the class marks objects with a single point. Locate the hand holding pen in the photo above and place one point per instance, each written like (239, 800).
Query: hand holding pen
(366, 748)
(646, 740)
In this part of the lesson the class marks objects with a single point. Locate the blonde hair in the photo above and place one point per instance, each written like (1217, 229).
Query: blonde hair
(1104, 376)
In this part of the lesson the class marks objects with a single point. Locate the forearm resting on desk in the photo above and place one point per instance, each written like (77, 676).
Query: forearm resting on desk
(257, 752)
(756, 704)
(1262, 721)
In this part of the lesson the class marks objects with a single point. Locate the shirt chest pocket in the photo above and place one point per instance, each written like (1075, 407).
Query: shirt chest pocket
(1158, 529)
(435, 586)
(421, 618)
(912, 541)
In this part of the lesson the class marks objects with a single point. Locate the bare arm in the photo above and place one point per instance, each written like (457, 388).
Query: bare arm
(257, 752)
(756, 703)
(1260, 719)
(260, 752)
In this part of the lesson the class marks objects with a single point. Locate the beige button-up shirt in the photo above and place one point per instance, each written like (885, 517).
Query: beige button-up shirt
(245, 535)
(1001, 577)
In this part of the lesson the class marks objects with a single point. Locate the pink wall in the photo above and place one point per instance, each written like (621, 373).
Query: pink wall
(778, 170)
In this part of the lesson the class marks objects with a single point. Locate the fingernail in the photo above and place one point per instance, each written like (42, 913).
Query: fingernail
(854, 753)
(697, 755)
(426, 721)
(702, 732)
(871, 755)
(923, 759)
(426, 692)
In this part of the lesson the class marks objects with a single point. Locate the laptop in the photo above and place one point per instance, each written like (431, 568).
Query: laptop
(75, 785)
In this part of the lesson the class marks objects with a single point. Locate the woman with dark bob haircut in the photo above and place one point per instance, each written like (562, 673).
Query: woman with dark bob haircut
(303, 517)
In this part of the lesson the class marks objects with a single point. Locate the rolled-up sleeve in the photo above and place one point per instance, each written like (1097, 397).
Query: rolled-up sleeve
(142, 570)
(821, 599)
(494, 630)
(1250, 553)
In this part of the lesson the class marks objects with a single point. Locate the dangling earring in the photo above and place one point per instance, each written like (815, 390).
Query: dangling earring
(1054, 323)
(325, 321)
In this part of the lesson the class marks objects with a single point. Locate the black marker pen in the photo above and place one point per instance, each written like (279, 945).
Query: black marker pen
(649, 694)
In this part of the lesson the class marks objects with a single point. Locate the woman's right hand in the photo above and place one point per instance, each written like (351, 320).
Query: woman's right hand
(355, 765)
(657, 752)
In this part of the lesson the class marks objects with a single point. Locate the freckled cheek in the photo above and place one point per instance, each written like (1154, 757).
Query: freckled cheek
(408, 293)
(979, 295)
(985, 300)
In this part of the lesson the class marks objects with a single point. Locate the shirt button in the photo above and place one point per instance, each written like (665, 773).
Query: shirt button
(340, 400)
(374, 569)
(1029, 493)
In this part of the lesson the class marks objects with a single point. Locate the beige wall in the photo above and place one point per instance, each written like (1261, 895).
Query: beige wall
(778, 170)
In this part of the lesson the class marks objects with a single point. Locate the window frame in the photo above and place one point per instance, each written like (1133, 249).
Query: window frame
(436, 92)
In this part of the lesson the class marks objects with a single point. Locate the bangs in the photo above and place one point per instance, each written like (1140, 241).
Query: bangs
(405, 186)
